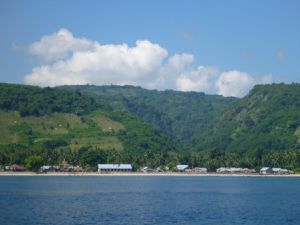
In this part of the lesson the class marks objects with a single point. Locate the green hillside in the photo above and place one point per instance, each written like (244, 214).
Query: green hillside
(268, 118)
(91, 135)
(261, 129)
(180, 115)
(35, 101)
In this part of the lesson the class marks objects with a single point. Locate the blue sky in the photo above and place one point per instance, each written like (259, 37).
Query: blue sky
(214, 46)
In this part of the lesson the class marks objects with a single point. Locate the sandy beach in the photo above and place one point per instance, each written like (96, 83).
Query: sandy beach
(137, 174)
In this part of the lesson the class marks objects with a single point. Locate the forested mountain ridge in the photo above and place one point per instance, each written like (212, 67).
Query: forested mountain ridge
(268, 118)
(180, 115)
(35, 101)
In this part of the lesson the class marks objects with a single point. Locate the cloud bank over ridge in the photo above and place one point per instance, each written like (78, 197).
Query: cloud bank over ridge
(71, 60)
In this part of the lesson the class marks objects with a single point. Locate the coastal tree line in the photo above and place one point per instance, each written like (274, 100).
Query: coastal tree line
(89, 158)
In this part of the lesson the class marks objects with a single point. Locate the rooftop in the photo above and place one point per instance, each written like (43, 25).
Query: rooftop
(115, 166)
(182, 167)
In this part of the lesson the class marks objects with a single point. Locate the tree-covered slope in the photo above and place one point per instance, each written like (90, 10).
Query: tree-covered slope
(180, 115)
(32, 100)
(268, 118)
(58, 124)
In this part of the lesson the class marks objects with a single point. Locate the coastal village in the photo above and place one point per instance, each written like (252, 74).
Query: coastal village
(65, 167)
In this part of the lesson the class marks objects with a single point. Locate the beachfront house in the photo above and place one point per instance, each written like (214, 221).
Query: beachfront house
(199, 170)
(75, 169)
(66, 167)
(114, 168)
(146, 169)
(182, 168)
(234, 170)
(281, 171)
(222, 170)
(46, 169)
(246, 170)
(270, 170)
(159, 170)
(266, 170)
(15, 168)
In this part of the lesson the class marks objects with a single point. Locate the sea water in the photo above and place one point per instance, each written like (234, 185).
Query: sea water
(149, 200)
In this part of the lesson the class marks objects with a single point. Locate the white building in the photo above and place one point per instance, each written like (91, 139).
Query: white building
(280, 171)
(222, 170)
(266, 170)
(146, 169)
(45, 169)
(234, 170)
(182, 168)
(114, 168)
(270, 170)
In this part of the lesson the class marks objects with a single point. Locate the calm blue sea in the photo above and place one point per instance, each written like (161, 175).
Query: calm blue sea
(149, 200)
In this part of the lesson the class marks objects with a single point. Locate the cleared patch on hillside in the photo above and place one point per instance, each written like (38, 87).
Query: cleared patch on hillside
(7, 120)
(297, 134)
(106, 124)
(75, 129)
(56, 124)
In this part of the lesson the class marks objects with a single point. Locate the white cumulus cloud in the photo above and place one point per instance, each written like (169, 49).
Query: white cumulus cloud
(234, 83)
(59, 45)
(200, 79)
(82, 61)
(72, 60)
(180, 61)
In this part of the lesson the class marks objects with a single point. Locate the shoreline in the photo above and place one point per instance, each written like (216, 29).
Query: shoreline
(136, 174)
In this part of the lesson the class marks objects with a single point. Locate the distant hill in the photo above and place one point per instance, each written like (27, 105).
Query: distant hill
(268, 118)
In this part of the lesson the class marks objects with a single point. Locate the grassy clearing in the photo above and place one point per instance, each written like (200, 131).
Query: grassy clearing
(106, 124)
(7, 120)
(60, 125)
(297, 134)
(56, 124)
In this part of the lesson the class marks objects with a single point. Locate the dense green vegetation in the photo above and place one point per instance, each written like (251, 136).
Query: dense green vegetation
(86, 140)
(34, 163)
(268, 118)
(180, 115)
(87, 125)
(35, 101)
